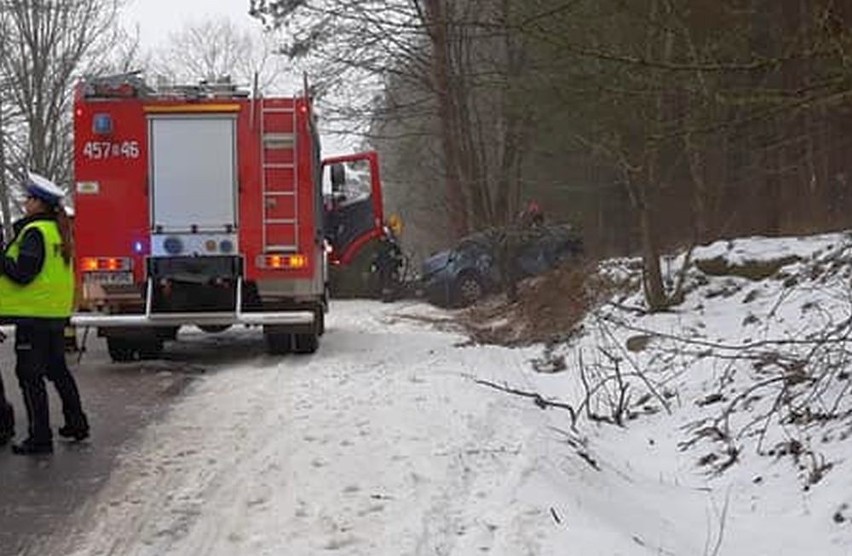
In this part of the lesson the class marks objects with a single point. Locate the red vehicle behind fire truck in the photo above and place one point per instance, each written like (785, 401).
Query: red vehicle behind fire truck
(203, 205)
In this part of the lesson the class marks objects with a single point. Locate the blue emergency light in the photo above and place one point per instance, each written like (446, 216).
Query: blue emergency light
(102, 124)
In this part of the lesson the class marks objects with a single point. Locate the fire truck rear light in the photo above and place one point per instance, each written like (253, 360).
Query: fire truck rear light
(109, 264)
(295, 261)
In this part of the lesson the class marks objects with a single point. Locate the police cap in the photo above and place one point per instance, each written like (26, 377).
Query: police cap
(43, 189)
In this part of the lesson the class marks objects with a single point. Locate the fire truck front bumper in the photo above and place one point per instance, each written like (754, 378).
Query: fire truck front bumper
(103, 320)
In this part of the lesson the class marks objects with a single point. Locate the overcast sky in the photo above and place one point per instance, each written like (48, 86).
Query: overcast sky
(158, 18)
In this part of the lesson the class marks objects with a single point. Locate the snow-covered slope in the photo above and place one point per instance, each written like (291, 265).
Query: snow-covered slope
(398, 437)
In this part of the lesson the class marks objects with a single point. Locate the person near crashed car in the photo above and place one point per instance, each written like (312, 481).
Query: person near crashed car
(527, 227)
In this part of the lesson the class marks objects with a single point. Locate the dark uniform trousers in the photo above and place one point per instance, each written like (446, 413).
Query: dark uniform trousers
(40, 349)
(3, 401)
(7, 416)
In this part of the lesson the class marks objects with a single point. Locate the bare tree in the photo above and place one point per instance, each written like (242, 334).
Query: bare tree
(350, 50)
(466, 55)
(449, 90)
(48, 45)
(125, 56)
(4, 191)
(216, 48)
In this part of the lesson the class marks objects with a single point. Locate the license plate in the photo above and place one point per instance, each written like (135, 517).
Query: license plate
(108, 278)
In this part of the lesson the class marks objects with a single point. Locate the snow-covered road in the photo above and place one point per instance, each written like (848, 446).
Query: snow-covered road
(379, 444)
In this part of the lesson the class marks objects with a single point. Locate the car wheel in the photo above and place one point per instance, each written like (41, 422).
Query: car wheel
(469, 289)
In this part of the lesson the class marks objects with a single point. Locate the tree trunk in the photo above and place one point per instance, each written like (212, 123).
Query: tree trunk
(450, 142)
(652, 274)
(700, 191)
(5, 209)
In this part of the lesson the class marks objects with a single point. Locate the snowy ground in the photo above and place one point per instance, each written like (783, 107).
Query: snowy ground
(384, 443)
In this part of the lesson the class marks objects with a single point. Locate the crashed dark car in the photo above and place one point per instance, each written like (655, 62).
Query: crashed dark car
(463, 275)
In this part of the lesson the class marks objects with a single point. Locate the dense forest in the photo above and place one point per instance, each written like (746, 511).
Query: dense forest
(650, 123)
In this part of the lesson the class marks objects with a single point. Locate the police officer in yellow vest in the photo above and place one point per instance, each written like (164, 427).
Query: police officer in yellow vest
(36, 294)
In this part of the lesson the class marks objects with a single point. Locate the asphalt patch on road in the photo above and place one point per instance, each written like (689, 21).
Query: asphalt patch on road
(38, 494)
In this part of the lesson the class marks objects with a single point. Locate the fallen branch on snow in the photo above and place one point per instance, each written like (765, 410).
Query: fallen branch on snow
(535, 396)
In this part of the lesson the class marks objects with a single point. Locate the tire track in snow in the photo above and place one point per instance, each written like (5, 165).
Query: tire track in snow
(158, 494)
(466, 515)
(352, 451)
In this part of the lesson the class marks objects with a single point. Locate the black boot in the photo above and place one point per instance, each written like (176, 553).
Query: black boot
(75, 429)
(7, 424)
(30, 447)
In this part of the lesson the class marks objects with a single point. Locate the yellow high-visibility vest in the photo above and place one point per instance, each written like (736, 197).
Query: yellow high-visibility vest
(51, 293)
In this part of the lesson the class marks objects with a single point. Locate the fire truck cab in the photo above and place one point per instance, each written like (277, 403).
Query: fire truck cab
(203, 206)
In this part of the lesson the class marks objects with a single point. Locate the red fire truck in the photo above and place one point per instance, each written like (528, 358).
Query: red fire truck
(203, 205)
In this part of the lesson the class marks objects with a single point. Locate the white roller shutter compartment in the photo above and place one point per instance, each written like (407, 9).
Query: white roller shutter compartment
(193, 181)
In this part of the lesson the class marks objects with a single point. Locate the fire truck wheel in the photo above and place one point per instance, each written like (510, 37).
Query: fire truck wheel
(277, 343)
(320, 322)
(120, 350)
(152, 349)
(305, 343)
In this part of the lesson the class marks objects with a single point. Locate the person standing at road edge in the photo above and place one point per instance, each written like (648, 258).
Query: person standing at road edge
(7, 417)
(36, 294)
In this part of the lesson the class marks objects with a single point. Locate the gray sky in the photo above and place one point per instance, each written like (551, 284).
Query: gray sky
(158, 18)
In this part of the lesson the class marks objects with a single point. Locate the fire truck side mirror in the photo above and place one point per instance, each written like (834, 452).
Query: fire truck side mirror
(338, 178)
